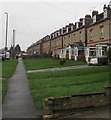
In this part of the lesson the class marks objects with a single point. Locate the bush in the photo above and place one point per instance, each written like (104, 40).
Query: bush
(47, 55)
(62, 61)
(81, 58)
(109, 55)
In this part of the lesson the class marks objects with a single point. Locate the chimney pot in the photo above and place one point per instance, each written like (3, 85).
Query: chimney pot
(88, 16)
(95, 12)
(81, 19)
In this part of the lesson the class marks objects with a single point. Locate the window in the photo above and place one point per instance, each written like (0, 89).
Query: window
(104, 50)
(80, 35)
(101, 32)
(91, 35)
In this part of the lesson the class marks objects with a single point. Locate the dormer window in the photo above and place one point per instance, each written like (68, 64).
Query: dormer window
(105, 14)
(94, 18)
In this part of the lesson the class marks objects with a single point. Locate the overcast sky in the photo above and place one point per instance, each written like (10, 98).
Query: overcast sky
(34, 20)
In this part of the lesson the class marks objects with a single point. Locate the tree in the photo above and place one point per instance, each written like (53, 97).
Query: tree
(109, 54)
(11, 52)
(17, 49)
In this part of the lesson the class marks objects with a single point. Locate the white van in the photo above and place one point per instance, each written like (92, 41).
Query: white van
(7, 55)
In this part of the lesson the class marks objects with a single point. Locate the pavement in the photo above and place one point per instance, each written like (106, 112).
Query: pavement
(60, 68)
(18, 102)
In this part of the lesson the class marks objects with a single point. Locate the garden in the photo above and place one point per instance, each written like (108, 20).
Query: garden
(67, 82)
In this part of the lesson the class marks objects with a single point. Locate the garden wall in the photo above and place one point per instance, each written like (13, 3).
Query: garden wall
(78, 101)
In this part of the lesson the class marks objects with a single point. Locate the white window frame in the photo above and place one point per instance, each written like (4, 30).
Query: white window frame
(80, 35)
(102, 32)
(91, 35)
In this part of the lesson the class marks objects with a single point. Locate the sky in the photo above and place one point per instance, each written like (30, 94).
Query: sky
(33, 20)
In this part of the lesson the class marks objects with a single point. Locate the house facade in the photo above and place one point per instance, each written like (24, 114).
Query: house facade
(90, 37)
(99, 34)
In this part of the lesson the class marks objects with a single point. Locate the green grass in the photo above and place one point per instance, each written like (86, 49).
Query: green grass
(42, 63)
(8, 68)
(68, 82)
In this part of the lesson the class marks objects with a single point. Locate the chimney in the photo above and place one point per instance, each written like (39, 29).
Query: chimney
(95, 12)
(81, 20)
(67, 27)
(105, 7)
(64, 29)
(88, 16)
(77, 25)
(72, 26)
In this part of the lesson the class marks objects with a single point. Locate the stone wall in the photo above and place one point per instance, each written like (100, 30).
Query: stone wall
(78, 101)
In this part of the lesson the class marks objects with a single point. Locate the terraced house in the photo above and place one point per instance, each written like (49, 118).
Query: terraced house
(87, 38)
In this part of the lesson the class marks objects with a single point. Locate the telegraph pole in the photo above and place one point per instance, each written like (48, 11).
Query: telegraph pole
(13, 44)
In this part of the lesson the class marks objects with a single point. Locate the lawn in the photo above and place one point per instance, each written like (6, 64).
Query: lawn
(42, 63)
(68, 82)
(8, 68)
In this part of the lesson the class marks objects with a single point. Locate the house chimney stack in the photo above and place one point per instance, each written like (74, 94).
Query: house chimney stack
(88, 16)
(95, 12)
(81, 20)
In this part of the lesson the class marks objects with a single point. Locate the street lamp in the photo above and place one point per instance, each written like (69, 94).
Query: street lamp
(6, 31)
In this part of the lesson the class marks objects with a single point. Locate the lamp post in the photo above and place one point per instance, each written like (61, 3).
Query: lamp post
(6, 32)
(13, 44)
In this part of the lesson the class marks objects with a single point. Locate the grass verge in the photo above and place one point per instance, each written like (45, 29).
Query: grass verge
(43, 63)
(67, 82)
(8, 68)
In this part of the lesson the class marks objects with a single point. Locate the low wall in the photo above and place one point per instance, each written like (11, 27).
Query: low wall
(74, 102)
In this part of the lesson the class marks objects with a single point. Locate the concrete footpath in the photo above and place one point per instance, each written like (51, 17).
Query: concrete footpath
(18, 101)
(60, 68)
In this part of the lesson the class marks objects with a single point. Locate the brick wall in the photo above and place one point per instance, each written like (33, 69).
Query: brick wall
(96, 33)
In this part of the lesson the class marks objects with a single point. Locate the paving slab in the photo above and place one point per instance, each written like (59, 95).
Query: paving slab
(18, 102)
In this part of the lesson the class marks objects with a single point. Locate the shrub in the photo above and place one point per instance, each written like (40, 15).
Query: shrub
(109, 55)
(47, 55)
(81, 58)
(62, 61)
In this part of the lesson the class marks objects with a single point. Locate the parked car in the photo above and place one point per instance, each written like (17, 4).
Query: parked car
(99, 61)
